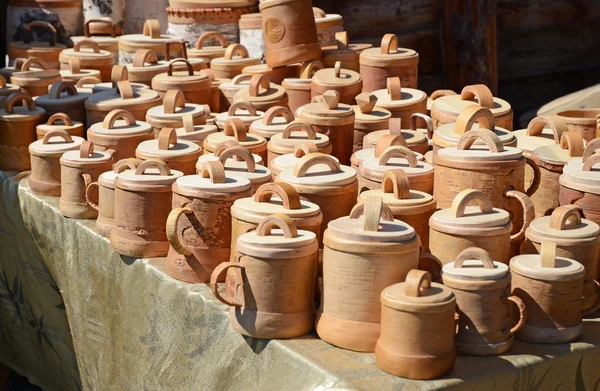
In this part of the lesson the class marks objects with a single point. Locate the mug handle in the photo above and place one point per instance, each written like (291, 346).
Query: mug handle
(218, 274)
(172, 223)
(596, 306)
(88, 197)
(522, 313)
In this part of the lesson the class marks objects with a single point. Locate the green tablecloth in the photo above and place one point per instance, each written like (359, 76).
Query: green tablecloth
(135, 328)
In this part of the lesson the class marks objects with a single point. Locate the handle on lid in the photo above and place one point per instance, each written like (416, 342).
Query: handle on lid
(87, 80)
(416, 280)
(91, 193)
(394, 88)
(66, 120)
(166, 138)
(396, 181)
(389, 43)
(125, 89)
(114, 115)
(389, 140)
(182, 47)
(57, 133)
(395, 125)
(528, 212)
(125, 164)
(236, 49)
(481, 92)
(15, 97)
(516, 300)
(548, 254)
(161, 166)
(277, 111)
(587, 311)
(307, 161)
(308, 69)
(439, 93)
(304, 149)
(337, 69)
(143, 56)
(279, 220)
(318, 12)
(331, 99)
(18, 63)
(173, 99)
(259, 84)
(428, 123)
(431, 264)
(374, 210)
(318, 99)
(398, 151)
(556, 123)
(241, 152)
(34, 61)
(151, 28)
(465, 197)
(341, 40)
(188, 122)
(366, 102)
(213, 170)
(288, 194)
(590, 149)
(172, 228)
(573, 143)
(74, 66)
(564, 214)
(218, 274)
(211, 35)
(87, 43)
(223, 145)
(241, 104)
(118, 73)
(234, 127)
(590, 163)
(474, 253)
(60, 87)
(301, 126)
(471, 114)
(241, 78)
(113, 27)
(489, 138)
(39, 23)
(86, 149)
(190, 69)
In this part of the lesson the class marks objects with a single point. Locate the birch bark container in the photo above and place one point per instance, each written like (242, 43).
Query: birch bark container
(192, 132)
(296, 133)
(151, 38)
(90, 56)
(6, 89)
(73, 128)
(47, 51)
(235, 130)
(346, 82)
(172, 111)
(206, 52)
(276, 119)
(327, 26)
(227, 90)
(262, 94)
(196, 86)
(73, 72)
(402, 102)
(289, 160)
(241, 110)
(368, 118)
(580, 185)
(275, 75)
(234, 60)
(584, 120)
(145, 66)
(35, 81)
(179, 155)
(344, 52)
(64, 98)
(415, 138)
(299, 89)
(104, 33)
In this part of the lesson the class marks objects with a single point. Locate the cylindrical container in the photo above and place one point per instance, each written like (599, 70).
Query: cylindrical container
(411, 206)
(481, 288)
(580, 185)
(231, 64)
(327, 26)
(417, 328)
(275, 280)
(290, 32)
(420, 174)
(362, 256)
(322, 180)
(299, 89)
(78, 169)
(551, 288)
(73, 72)
(121, 132)
(17, 131)
(145, 66)
(143, 201)
(170, 114)
(344, 52)
(295, 133)
(379, 64)
(192, 132)
(346, 82)
(446, 109)
(196, 86)
(241, 110)
(575, 238)
(35, 81)
(368, 118)
(584, 120)
(289, 160)
(208, 53)
(276, 119)
(90, 56)
(8, 71)
(334, 119)
(402, 102)
(235, 130)
(45, 161)
(275, 75)
(459, 227)
(383, 143)
(45, 51)
(201, 239)
(73, 128)
(118, 73)
(227, 90)
(416, 139)
(151, 38)
(262, 94)
(108, 40)
(6, 89)
(251, 34)
(64, 98)
(104, 200)
(435, 95)
(180, 155)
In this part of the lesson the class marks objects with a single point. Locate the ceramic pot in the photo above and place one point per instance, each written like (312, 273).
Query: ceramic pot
(584, 120)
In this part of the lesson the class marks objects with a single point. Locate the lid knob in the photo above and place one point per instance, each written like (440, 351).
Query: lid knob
(66, 120)
(366, 102)
(166, 138)
(396, 181)
(416, 282)
(557, 124)
(223, 42)
(400, 152)
(331, 99)
(564, 214)
(394, 88)
(389, 140)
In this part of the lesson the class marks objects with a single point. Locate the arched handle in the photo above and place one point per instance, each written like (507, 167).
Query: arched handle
(474, 253)
(590, 149)
(431, 264)
(218, 274)
(241, 78)
(564, 214)
(241, 104)
(318, 12)
(117, 114)
(279, 220)
(288, 194)
(400, 152)
(86, 149)
(236, 49)
(74, 66)
(18, 63)
(166, 138)
(587, 311)
(39, 23)
(259, 83)
(389, 140)
(556, 123)
(439, 93)
(590, 163)
(416, 280)
(305, 163)
(337, 69)
(143, 56)
(537, 177)
(428, 123)
(211, 35)
(341, 40)
(299, 126)
(528, 213)
(374, 210)
(366, 102)
(15, 97)
(182, 43)
(304, 149)
(241, 152)
(87, 80)
(161, 166)
(66, 120)
(57, 133)
(118, 73)
(126, 164)
(172, 228)
(471, 114)
(190, 69)
(396, 181)
(60, 87)
(489, 138)
(214, 170)
(522, 313)
(277, 111)
(188, 122)
(223, 145)
(389, 43)
(481, 92)
(573, 143)
(34, 61)
(125, 90)
(86, 26)
(151, 28)
(465, 197)
(173, 99)
(308, 69)
(87, 43)
(234, 127)
(91, 194)
(394, 88)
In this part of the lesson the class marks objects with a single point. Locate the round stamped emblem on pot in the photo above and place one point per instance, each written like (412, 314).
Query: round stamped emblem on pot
(274, 29)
